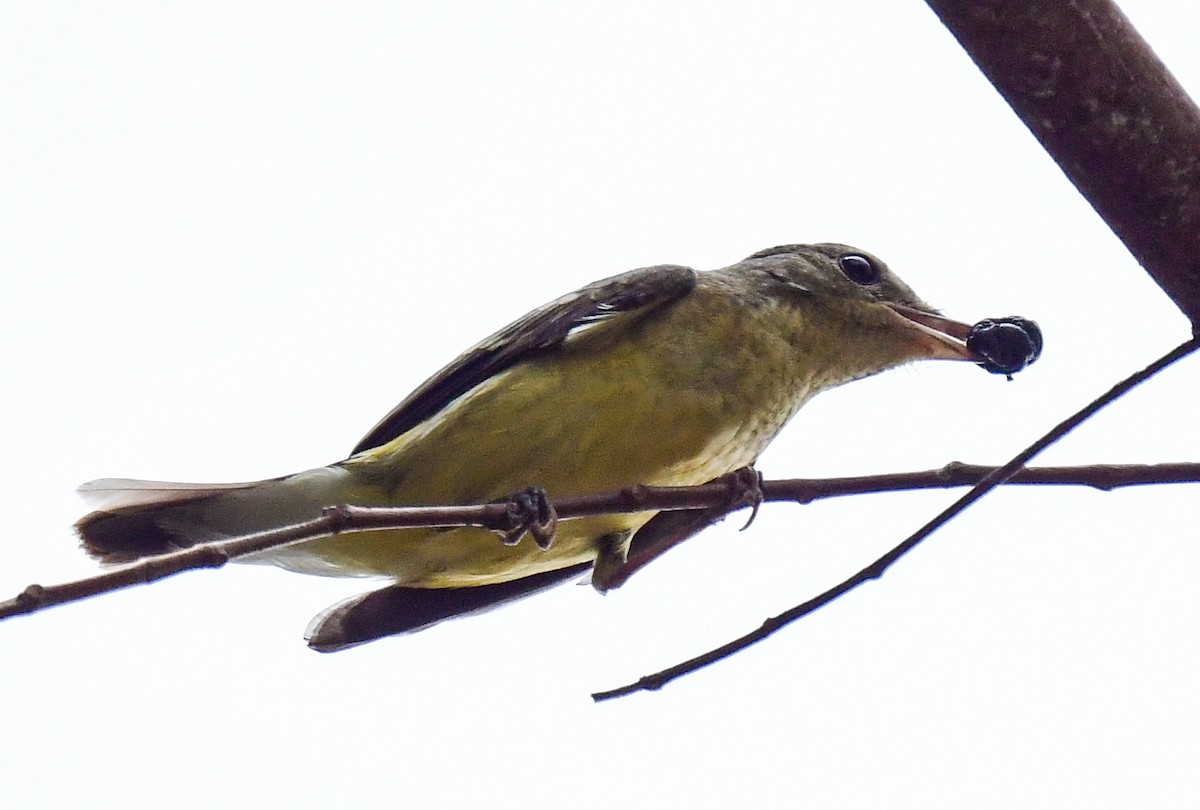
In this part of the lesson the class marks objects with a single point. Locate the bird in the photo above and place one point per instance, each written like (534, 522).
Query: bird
(662, 375)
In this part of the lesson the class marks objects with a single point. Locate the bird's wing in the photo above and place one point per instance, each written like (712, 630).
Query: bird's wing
(396, 609)
(543, 329)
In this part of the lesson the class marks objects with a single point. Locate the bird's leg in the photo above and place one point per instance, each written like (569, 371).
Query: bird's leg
(611, 553)
(529, 512)
(666, 530)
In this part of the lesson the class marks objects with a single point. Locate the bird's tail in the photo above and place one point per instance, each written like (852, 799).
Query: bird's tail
(133, 519)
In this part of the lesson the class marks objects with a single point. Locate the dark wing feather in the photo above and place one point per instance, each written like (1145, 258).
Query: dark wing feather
(540, 330)
(397, 609)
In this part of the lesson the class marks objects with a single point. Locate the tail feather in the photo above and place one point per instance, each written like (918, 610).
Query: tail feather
(141, 518)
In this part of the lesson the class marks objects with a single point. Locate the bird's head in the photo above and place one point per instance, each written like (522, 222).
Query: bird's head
(858, 315)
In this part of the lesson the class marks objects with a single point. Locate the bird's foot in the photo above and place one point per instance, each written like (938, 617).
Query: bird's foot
(529, 511)
(745, 489)
(666, 530)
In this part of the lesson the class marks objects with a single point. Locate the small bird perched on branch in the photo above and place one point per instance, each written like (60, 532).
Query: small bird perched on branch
(659, 376)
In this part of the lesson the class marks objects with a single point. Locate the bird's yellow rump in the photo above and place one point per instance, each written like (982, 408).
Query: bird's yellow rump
(661, 376)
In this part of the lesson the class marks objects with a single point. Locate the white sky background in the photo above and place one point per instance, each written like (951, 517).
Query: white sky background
(234, 235)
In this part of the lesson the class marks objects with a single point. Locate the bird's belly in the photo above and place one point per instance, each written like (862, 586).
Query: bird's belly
(473, 556)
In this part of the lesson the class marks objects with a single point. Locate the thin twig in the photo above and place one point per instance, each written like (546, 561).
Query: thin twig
(876, 569)
(632, 499)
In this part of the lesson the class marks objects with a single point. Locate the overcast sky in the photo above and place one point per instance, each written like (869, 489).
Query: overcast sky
(233, 235)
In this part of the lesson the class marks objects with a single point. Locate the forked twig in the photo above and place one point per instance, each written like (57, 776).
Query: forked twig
(876, 569)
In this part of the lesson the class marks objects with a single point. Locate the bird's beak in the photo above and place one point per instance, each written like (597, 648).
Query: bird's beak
(940, 338)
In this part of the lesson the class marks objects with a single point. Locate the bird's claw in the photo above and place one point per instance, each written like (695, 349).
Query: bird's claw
(529, 511)
(746, 489)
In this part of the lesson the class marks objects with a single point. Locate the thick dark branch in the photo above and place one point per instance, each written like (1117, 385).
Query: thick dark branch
(1109, 113)
(633, 499)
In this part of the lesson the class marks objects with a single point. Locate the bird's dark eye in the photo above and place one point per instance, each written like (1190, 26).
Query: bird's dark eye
(859, 269)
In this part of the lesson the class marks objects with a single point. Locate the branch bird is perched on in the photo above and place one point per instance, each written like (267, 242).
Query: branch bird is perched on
(660, 376)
